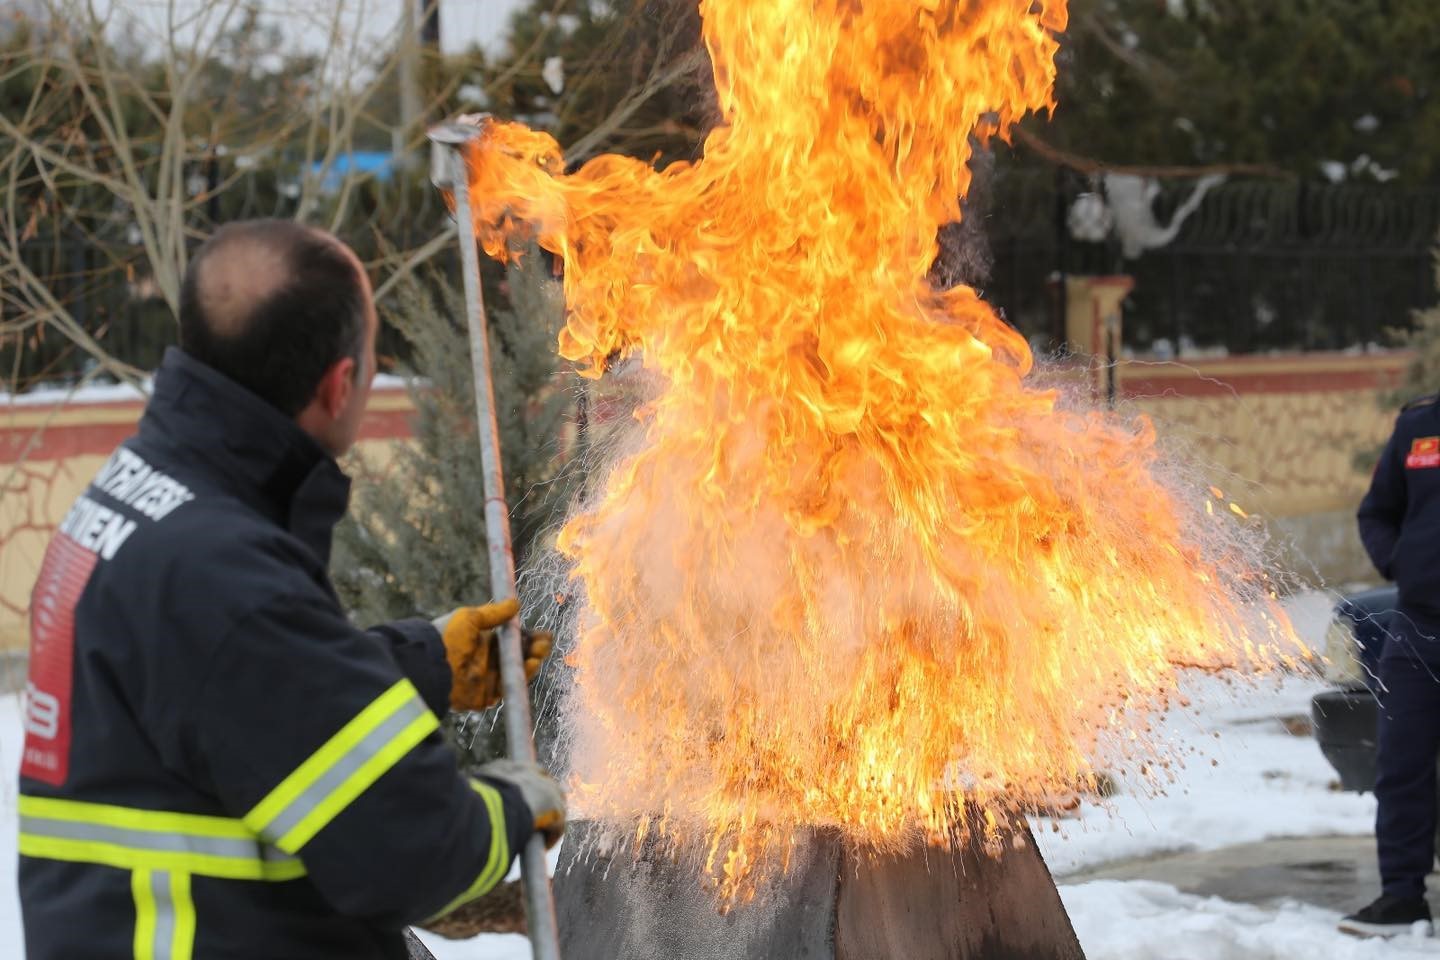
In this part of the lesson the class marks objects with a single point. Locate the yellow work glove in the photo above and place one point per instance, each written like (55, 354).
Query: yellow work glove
(472, 646)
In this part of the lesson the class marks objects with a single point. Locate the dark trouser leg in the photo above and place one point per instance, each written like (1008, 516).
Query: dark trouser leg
(1409, 737)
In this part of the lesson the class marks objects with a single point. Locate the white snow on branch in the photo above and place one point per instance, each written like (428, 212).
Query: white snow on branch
(1132, 201)
(553, 73)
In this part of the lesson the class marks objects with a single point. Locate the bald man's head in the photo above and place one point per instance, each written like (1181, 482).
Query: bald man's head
(273, 305)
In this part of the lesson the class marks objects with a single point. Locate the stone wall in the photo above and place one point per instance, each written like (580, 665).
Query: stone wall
(1288, 437)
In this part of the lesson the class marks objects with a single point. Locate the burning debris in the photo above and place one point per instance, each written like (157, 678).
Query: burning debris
(857, 572)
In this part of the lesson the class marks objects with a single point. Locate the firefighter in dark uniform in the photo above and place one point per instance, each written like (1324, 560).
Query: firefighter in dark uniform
(217, 764)
(1400, 527)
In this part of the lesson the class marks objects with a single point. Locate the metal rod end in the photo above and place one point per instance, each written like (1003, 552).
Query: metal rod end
(447, 137)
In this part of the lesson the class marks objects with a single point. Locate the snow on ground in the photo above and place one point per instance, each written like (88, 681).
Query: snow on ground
(10, 945)
(1242, 776)
(87, 393)
(1248, 779)
(124, 393)
(1139, 920)
(494, 946)
(1264, 783)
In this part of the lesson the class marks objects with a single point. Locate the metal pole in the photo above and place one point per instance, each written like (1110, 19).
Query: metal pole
(539, 898)
(415, 949)
(409, 68)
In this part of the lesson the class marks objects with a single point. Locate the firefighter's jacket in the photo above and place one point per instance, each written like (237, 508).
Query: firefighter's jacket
(217, 764)
(1400, 527)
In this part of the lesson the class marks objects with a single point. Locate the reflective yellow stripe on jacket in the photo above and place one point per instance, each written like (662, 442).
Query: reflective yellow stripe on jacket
(164, 915)
(161, 850)
(338, 772)
(132, 839)
(499, 859)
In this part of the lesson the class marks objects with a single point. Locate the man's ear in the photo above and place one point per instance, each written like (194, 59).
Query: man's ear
(335, 387)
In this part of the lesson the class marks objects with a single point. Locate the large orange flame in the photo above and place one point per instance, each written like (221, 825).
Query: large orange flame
(858, 572)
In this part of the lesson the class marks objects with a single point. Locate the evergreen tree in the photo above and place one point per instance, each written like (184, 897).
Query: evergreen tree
(1422, 376)
(633, 77)
(414, 540)
(1290, 83)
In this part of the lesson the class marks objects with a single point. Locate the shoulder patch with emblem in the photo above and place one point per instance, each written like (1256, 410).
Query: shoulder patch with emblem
(1424, 452)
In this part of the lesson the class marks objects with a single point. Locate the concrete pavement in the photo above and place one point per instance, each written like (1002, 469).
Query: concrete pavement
(1337, 873)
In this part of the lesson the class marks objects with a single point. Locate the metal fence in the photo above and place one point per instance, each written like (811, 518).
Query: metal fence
(1259, 266)
(94, 265)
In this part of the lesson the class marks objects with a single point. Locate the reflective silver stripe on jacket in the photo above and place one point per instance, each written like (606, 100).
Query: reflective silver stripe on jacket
(151, 841)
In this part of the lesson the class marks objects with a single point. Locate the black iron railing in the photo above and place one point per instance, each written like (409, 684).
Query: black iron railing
(1259, 266)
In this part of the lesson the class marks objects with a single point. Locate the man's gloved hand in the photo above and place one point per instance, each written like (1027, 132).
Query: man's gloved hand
(472, 641)
(542, 794)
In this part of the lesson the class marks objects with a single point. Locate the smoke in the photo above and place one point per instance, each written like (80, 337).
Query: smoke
(965, 256)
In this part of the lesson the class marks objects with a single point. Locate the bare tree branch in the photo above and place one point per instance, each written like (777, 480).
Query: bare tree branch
(1153, 70)
(98, 126)
(1075, 161)
(412, 260)
(657, 81)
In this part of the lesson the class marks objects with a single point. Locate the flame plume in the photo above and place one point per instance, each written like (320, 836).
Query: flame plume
(858, 572)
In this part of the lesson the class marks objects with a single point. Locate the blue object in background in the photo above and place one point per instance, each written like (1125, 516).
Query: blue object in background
(374, 163)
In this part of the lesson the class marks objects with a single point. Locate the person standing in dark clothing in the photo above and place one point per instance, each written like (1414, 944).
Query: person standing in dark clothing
(1400, 528)
(217, 763)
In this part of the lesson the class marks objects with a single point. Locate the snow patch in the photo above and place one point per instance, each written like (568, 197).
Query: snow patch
(1238, 774)
(90, 393)
(491, 946)
(391, 381)
(1140, 920)
(11, 943)
(61, 395)
(1239, 777)
(553, 73)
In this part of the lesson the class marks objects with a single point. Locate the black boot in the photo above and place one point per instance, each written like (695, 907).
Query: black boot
(1388, 917)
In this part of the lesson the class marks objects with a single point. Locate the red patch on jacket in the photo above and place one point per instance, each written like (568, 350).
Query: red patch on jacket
(1424, 452)
(63, 576)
